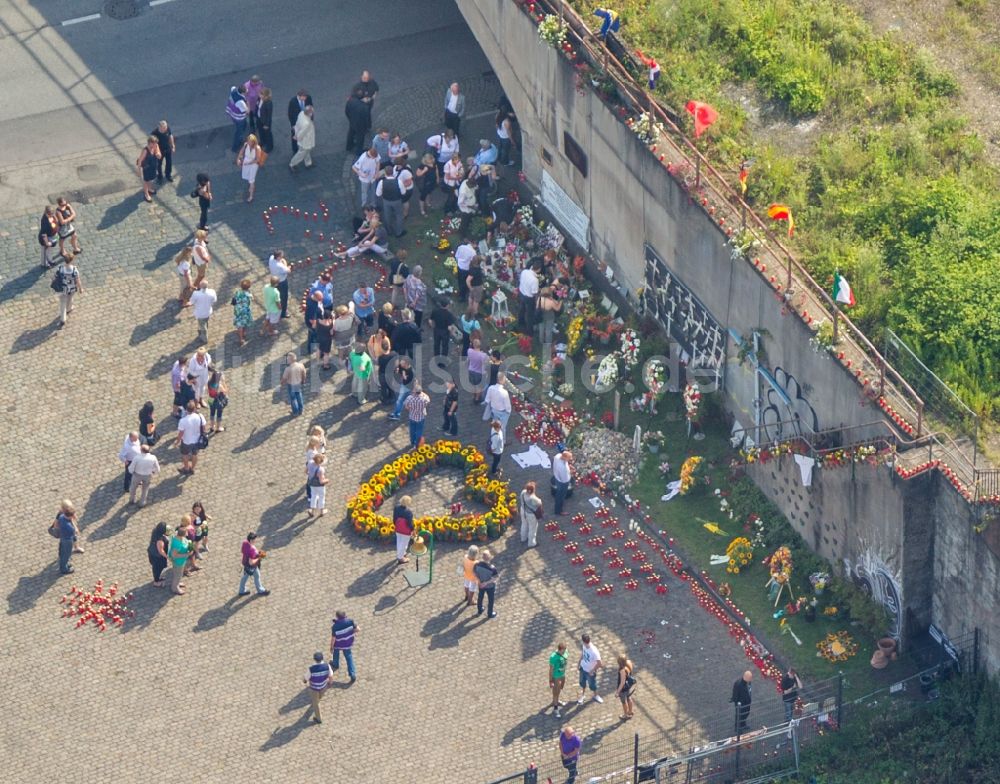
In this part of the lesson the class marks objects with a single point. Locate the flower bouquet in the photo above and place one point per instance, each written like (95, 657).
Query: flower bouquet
(629, 347)
(552, 30)
(690, 470)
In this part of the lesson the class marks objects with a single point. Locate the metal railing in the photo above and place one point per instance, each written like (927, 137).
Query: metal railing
(676, 148)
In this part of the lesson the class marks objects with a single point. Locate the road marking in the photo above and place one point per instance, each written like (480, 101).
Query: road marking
(78, 19)
(154, 3)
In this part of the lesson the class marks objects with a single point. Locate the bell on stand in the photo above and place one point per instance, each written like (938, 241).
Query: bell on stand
(420, 549)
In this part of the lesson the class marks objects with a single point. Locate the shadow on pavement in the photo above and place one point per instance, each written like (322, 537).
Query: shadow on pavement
(285, 735)
(22, 283)
(33, 338)
(538, 634)
(219, 616)
(161, 320)
(371, 581)
(102, 499)
(274, 523)
(31, 587)
(119, 212)
(165, 254)
(147, 600)
(259, 435)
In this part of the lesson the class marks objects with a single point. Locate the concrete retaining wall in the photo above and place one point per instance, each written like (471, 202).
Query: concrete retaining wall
(916, 535)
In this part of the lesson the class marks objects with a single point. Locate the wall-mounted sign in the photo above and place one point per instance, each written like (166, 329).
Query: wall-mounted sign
(575, 153)
(565, 211)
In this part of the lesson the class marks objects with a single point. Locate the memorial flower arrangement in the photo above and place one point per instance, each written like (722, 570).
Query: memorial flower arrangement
(552, 31)
(653, 438)
(607, 371)
(822, 341)
(665, 468)
(836, 647)
(692, 401)
(525, 214)
(574, 335)
(740, 552)
(780, 565)
(689, 473)
(363, 508)
(754, 527)
(629, 347)
(646, 128)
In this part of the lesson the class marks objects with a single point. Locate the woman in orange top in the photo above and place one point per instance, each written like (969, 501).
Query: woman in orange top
(469, 579)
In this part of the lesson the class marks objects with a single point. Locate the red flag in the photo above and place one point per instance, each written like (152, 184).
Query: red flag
(704, 115)
(743, 179)
(781, 212)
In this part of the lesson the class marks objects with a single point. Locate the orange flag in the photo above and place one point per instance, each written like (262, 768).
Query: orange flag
(704, 115)
(781, 212)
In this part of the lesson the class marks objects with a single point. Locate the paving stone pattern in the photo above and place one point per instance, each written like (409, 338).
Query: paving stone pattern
(208, 686)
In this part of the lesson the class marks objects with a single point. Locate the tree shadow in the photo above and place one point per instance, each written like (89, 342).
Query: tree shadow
(22, 283)
(165, 254)
(219, 616)
(163, 319)
(258, 436)
(147, 600)
(371, 581)
(117, 213)
(538, 634)
(282, 736)
(31, 587)
(102, 499)
(33, 338)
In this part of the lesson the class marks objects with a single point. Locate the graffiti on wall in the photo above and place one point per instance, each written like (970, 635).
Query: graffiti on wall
(873, 576)
(666, 299)
(785, 402)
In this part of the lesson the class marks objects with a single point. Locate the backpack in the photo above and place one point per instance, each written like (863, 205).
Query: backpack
(57, 284)
(390, 189)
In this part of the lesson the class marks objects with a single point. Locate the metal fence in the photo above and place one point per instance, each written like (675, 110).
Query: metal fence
(714, 750)
(942, 406)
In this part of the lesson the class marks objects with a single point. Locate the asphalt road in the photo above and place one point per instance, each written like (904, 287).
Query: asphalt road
(99, 85)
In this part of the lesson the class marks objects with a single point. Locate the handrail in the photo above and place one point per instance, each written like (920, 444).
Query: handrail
(597, 51)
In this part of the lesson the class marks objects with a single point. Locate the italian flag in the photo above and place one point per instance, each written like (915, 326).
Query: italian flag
(842, 290)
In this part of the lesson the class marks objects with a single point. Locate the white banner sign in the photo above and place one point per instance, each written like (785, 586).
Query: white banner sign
(567, 214)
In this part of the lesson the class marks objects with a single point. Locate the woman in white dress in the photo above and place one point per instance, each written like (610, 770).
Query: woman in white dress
(250, 158)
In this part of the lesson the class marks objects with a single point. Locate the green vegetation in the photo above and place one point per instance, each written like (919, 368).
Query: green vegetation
(891, 187)
(956, 738)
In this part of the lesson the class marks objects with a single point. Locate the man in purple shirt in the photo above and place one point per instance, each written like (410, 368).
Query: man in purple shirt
(569, 748)
(342, 641)
(318, 679)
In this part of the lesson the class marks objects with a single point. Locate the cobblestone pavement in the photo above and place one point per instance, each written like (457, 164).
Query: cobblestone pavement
(208, 685)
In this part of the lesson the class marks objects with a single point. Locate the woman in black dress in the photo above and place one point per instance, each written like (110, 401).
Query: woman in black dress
(323, 327)
(147, 425)
(204, 194)
(157, 552)
(265, 113)
(427, 176)
(147, 163)
(48, 237)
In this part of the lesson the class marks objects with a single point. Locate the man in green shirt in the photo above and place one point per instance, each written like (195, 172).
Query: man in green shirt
(361, 367)
(180, 549)
(272, 308)
(557, 676)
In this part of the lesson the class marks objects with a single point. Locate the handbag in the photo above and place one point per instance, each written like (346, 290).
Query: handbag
(221, 399)
(203, 441)
(53, 529)
(194, 194)
(261, 156)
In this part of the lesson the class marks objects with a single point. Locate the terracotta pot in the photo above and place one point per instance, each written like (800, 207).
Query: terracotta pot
(888, 646)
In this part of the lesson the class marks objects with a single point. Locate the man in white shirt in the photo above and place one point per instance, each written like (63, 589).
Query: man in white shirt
(190, 429)
(498, 402)
(198, 367)
(561, 474)
(527, 288)
(464, 254)
(454, 107)
(366, 168)
(143, 468)
(128, 453)
(279, 268)
(202, 306)
(590, 663)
